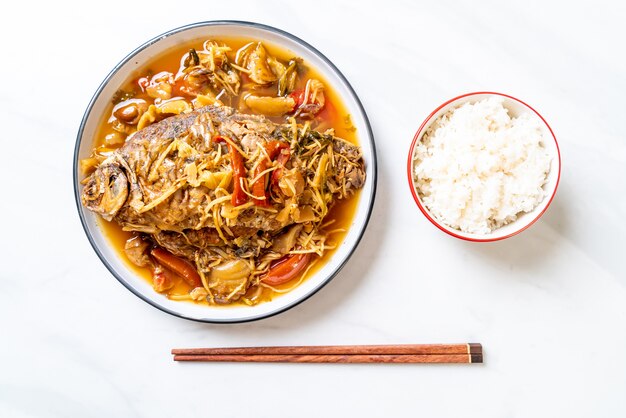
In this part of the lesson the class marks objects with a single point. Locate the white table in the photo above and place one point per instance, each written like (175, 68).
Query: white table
(549, 306)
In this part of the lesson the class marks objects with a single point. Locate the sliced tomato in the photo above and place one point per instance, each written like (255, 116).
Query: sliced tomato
(286, 269)
(161, 280)
(179, 266)
(282, 159)
(239, 171)
(298, 97)
(274, 147)
(259, 187)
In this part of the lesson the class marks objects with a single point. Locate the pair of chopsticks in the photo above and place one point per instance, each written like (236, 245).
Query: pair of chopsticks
(406, 353)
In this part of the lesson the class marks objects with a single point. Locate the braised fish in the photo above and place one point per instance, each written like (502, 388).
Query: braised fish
(217, 184)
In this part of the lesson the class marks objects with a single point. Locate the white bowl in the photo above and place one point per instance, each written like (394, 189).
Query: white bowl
(515, 107)
(225, 29)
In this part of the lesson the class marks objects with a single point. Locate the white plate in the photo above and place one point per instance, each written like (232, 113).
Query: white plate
(225, 29)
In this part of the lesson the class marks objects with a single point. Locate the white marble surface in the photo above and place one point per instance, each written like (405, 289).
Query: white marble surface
(549, 305)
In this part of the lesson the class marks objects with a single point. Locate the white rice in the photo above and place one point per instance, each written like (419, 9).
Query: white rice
(477, 169)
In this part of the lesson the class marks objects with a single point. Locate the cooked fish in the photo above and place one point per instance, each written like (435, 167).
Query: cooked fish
(175, 181)
(155, 181)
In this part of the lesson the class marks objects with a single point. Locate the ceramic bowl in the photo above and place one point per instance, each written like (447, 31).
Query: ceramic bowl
(223, 30)
(515, 108)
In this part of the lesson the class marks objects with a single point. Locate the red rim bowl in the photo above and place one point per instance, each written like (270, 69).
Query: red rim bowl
(524, 221)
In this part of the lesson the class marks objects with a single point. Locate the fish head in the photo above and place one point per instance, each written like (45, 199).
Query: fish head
(106, 190)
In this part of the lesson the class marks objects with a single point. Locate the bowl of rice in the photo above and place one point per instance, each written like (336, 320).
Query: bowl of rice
(484, 166)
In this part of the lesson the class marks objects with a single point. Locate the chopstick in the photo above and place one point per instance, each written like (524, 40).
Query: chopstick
(404, 353)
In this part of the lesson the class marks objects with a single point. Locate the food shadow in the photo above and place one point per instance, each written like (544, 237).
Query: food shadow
(531, 249)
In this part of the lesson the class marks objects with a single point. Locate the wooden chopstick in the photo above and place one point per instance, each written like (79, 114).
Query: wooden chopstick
(335, 358)
(407, 353)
